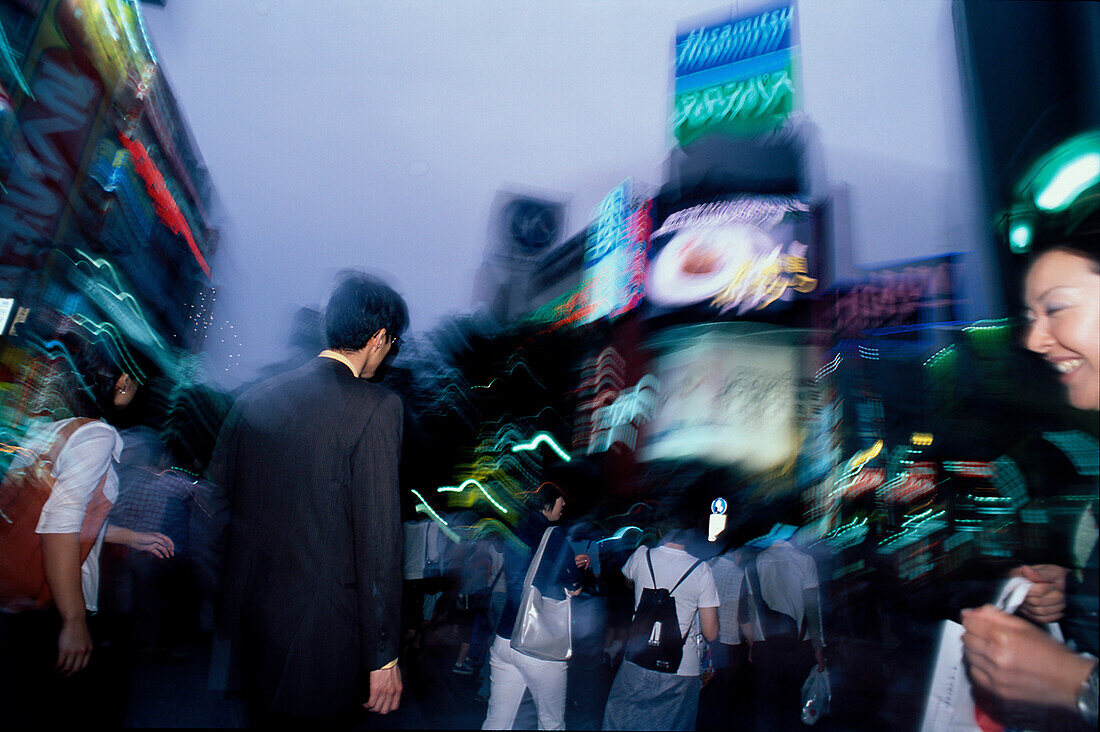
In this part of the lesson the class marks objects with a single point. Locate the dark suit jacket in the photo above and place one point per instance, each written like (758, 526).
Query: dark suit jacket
(311, 588)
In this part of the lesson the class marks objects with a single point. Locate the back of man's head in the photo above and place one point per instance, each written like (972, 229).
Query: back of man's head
(359, 307)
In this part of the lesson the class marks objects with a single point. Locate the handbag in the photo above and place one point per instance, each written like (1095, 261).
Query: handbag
(543, 626)
(951, 705)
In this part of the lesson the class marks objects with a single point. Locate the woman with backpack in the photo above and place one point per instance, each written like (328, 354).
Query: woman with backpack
(55, 497)
(657, 686)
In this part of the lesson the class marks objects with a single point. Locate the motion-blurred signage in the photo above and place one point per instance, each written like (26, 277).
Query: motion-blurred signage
(620, 420)
(737, 76)
(733, 257)
(896, 299)
(728, 395)
(56, 123)
(615, 254)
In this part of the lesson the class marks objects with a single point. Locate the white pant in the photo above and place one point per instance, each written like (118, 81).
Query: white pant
(510, 674)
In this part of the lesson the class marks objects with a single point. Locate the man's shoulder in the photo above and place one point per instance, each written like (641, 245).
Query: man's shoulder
(322, 376)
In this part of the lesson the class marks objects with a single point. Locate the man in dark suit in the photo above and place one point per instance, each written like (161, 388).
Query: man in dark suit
(311, 589)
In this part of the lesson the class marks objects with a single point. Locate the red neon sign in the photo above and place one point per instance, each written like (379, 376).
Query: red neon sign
(167, 209)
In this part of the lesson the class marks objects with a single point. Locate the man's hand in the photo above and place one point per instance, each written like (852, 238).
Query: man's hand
(385, 690)
(74, 646)
(819, 656)
(1046, 600)
(155, 543)
(582, 561)
(1017, 661)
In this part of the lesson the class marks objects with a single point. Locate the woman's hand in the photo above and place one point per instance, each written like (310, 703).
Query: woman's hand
(1016, 661)
(1046, 600)
(74, 646)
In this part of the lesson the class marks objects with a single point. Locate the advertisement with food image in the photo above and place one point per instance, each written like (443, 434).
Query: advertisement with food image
(743, 257)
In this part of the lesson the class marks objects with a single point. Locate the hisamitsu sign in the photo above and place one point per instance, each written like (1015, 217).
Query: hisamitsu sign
(736, 75)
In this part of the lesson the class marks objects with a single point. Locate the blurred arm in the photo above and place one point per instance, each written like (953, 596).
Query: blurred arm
(708, 623)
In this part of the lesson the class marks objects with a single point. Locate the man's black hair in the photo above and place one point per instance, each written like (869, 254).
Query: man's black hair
(360, 306)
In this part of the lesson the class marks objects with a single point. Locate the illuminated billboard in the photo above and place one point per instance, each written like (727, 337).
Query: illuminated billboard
(728, 394)
(737, 75)
(745, 257)
(902, 300)
(615, 254)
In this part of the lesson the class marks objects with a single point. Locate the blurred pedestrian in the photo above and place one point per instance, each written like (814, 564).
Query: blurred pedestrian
(643, 698)
(784, 580)
(1007, 655)
(58, 491)
(512, 672)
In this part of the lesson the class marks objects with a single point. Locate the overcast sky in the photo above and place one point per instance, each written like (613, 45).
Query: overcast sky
(375, 133)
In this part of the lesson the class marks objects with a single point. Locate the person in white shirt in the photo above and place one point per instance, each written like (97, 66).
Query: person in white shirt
(56, 642)
(644, 699)
(788, 584)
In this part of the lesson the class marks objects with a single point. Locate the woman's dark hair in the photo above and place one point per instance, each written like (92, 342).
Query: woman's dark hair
(360, 306)
(1086, 246)
(546, 496)
(94, 378)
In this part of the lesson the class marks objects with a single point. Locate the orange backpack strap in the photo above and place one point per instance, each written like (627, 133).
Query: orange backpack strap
(22, 576)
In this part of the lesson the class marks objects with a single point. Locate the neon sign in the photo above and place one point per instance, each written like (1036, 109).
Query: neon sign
(620, 420)
(607, 275)
(737, 75)
(706, 48)
(765, 96)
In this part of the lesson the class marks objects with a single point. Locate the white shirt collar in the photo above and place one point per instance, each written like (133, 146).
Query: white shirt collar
(337, 356)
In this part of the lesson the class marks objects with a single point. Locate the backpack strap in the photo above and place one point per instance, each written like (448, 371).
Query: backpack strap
(690, 570)
(682, 578)
(63, 437)
(493, 584)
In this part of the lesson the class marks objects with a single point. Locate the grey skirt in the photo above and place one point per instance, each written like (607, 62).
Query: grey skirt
(650, 700)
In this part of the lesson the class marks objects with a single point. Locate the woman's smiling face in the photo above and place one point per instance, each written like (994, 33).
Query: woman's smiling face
(1062, 294)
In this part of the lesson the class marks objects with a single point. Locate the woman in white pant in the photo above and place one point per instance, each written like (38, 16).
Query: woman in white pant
(511, 673)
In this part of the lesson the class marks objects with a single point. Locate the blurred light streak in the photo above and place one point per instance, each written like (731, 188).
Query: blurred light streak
(13, 66)
(921, 439)
(828, 368)
(1069, 182)
(443, 525)
(465, 484)
(542, 438)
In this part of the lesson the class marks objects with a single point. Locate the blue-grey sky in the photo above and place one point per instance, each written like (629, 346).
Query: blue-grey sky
(375, 133)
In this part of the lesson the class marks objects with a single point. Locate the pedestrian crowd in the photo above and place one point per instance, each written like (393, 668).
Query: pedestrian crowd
(287, 546)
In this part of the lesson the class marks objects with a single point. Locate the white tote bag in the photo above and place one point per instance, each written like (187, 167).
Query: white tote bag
(950, 706)
(543, 626)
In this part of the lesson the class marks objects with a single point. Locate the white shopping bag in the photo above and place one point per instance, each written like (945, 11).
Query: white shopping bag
(816, 696)
(950, 706)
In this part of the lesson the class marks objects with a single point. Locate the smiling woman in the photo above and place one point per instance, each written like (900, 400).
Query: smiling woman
(1007, 655)
(1062, 295)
